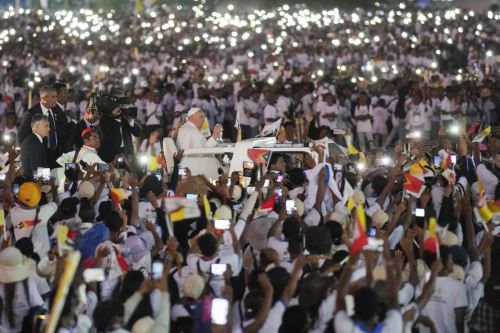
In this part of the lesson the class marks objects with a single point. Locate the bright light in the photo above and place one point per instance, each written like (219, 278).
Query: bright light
(454, 129)
(128, 40)
(361, 166)
(385, 160)
(87, 77)
(84, 61)
(143, 159)
(126, 80)
(135, 71)
(489, 53)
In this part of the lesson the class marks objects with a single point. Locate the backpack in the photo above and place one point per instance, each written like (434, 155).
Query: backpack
(492, 287)
(91, 239)
(32, 320)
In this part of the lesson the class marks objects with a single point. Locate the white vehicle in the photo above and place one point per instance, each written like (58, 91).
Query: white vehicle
(229, 157)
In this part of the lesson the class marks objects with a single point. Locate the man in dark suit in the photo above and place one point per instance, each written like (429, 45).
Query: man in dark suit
(33, 153)
(116, 135)
(54, 144)
(90, 120)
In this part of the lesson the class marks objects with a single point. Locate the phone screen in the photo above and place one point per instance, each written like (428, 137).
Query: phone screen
(373, 232)
(219, 311)
(222, 224)
(103, 167)
(279, 192)
(157, 270)
(182, 172)
(279, 178)
(290, 206)
(419, 212)
(250, 190)
(266, 183)
(437, 160)
(192, 196)
(454, 159)
(218, 269)
(248, 165)
(93, 275)
(70, 166)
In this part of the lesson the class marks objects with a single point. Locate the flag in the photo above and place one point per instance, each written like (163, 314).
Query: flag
(472, 129)
(446, 158)
(178, 208)
(431, 243)
(351, 150)
(153, 163)
(484, 210)
(237, 125)
(360, 238)
(271, 128)
(350, 204)
(117, 195)
(259, 156)
(206, 207)
(139, 7)
(414, 185)
(482, 135)
(205, 128)
(268, 204)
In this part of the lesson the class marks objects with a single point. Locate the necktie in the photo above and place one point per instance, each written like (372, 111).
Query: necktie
(52, 133)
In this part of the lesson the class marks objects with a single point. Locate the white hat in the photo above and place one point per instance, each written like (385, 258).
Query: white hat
(193, 286)
(379, 219)
(86, 189)
(193, 111)
(14, 267)
(223, 213)
(299, 206)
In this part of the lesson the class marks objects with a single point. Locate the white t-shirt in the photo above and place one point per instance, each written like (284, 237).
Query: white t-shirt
(281, 246)
(393, 322)
(364, 125)
(325, 110)
(270, 112)
(449, 295)
(20, 305)
(22, 218)
(153, 112)
(446, 108)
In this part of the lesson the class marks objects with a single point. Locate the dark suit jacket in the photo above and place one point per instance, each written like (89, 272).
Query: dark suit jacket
(77, 138)
(61, 126)
(111, 139)
(33, 155)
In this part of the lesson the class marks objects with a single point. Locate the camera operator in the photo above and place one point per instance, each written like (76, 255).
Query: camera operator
(117, 130)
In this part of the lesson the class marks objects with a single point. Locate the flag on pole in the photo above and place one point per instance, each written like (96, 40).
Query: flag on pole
(178, 209)
(271, 128)
(237, 125)
(206, 207)
(259, 156)
(117, 195)
(431, 243)
(139, 6)
(360, 238)
(268, 204)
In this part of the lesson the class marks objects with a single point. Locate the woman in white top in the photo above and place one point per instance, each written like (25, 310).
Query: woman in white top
(15, 282)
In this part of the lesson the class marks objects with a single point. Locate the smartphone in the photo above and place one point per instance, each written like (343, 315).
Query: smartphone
(290, 206)
(266, 183)
(279, 192)
(43, 173)
(437, 160)
(222, 224)
(3, 177)
(102, 167)
(93, 275)
(70, 166)
(15, 189)
(182, 172)
(454, 159)
(419, 212)
(250, 190)
(192, 196)
(373, 232)
(219, 311)
(7, 137)
(279, 179)
(248, 165)
(157, 270)
(120, 159)
(218, 269)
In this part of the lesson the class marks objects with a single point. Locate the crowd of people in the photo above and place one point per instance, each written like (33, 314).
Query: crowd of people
(105, 229)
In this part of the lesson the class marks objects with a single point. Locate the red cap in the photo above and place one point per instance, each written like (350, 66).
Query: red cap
(86, 131)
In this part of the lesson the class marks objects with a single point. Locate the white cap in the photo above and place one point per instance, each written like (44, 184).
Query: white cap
(193, 111)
